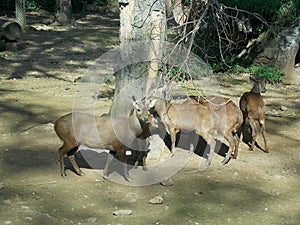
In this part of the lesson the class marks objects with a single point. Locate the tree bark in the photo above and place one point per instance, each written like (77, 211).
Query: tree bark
(21, 13)
(142, 35)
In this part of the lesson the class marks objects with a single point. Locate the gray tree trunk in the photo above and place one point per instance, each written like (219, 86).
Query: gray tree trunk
(21, 13)
(142, 35)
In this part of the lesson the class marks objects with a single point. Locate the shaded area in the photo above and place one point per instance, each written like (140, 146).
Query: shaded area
(65, 48)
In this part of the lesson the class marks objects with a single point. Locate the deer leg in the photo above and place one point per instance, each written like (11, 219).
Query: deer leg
(173, 140)
(212, 145)
(71, 156)
(70, 150)
(232, 151)
(109, 159)
(136, 164)
(263, 132)
(193, 142)
(236, 145)
(243, 132)
(145, 168)
(141, 157)
(254, 133)
(75, 165)
(122, 157)
(136, 156)
(61, 162)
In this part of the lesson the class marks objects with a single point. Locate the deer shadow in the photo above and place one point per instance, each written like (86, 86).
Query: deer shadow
(184, 139)
(96, 159)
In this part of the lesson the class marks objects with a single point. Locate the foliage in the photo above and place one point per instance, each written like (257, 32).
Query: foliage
(271, 74)
(288, 12)
(175, 73)
(267, 8)
(220, 39)
(280, 11)
(196, 72)
(31, 5)
(103, 2)
(49, 5)
(228, 63)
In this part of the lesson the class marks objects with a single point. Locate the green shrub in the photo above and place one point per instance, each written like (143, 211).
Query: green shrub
(271, 74)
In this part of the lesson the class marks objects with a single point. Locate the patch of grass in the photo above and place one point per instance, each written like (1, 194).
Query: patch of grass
(271, 74)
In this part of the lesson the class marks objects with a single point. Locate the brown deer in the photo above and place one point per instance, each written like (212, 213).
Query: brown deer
(253, 108)
(192, 116)
(116, 134)
(228, 119)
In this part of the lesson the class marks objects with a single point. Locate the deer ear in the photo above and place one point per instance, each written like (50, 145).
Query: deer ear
(133, 98)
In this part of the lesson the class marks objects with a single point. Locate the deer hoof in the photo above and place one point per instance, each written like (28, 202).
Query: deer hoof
(64, 176)
(80, 173)
(105, 177)
(226, 160)
(128, 178)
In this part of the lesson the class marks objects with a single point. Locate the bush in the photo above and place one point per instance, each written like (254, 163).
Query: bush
(271, 74)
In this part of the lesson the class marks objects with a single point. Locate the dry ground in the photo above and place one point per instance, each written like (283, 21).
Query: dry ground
(36, 87)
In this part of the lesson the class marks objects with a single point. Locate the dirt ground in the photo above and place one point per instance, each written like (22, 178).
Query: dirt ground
(37, 86)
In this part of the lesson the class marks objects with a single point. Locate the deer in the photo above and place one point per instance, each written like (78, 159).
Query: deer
(192, 116)
(253, 108)
(227, 120)
(116, 134)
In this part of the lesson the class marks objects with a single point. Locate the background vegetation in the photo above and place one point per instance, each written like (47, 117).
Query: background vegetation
(8, 6)
(217, 42)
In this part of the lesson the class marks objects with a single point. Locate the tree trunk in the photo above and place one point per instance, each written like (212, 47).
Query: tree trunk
(63, 14)
(142, 35)
(21, 13)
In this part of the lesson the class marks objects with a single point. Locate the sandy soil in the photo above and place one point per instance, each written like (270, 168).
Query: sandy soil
(37, 86)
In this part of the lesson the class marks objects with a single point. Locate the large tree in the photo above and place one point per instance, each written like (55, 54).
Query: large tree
(142, 35)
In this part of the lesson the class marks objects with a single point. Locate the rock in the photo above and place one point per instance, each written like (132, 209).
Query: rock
(1, 185)
(156, 200)
(282, 53)
(275, 192)
(28, 218)
(92, 220)
(122, 212)
(167, 182)
(156, 146)
(283, 108)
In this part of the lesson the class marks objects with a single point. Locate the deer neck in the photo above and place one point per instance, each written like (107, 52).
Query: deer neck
(256, 89)
(161, 107)
(134, 122)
